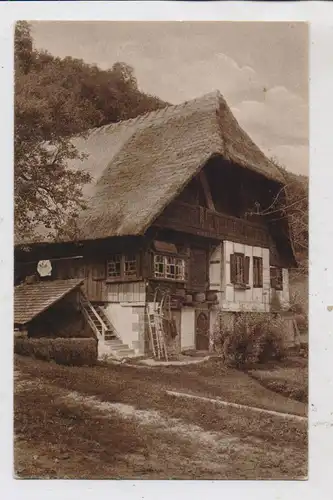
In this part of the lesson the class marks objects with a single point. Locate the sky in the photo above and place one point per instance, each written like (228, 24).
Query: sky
(261, 68)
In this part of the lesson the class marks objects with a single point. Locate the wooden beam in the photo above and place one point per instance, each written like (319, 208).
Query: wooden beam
(206, 190)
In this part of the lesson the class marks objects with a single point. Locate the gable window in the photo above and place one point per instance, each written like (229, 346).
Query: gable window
(239, 269)
(121, 267)
(257, 272)
(276, 278)
(169, 267)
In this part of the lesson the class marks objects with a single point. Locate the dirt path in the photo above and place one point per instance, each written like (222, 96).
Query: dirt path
(152, 444)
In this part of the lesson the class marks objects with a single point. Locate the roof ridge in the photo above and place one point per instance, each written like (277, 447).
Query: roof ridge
(156, 113)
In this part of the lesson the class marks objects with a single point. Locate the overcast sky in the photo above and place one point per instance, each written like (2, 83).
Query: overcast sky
(260, 68)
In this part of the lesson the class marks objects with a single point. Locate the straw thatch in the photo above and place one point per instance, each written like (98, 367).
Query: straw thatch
(140, 165)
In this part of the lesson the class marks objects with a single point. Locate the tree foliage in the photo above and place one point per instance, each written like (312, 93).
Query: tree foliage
(292, 205)
(56, 99)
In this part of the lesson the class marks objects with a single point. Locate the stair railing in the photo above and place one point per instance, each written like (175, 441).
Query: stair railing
(84, 302)
(90, 322)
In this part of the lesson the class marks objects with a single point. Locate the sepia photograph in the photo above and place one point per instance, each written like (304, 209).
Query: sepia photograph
(161, 250)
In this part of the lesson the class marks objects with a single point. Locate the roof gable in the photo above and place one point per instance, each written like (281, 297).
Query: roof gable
(154, 157)
(139, 166)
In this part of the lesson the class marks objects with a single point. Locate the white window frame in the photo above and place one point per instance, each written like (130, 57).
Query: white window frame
(128, 267)
(169, 267)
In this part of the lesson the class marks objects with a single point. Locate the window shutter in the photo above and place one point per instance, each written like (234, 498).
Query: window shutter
(279, 279)
(257, 272)
(233, 268)
(261, 273)
(247, 270)
(273, 277)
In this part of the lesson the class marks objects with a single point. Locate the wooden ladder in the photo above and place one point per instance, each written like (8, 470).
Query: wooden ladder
(156, 318)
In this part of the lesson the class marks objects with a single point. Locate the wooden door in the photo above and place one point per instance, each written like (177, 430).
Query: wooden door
(202, 329)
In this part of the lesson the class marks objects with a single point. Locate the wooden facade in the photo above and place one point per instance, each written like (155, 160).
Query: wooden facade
(201, 221)
(204, 257)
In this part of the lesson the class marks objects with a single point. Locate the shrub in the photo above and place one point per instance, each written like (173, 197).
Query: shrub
(74, 351)
(254, 338)
(299, 308)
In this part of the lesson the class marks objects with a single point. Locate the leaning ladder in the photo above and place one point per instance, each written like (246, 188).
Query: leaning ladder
(156, 318)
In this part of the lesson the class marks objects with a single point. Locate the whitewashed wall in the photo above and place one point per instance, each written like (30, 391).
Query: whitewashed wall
(187, 328)
(128, 322)
(251, 299)
(283, 295)
(216, 272)
(216, 269)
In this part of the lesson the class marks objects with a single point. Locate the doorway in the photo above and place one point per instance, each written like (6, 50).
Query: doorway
(202, 329)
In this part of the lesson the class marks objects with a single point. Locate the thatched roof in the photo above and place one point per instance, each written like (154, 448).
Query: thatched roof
(140, 165)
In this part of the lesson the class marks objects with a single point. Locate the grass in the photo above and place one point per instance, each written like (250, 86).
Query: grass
(286, 379)
(209, 379)
(66, 433)
(75, 440)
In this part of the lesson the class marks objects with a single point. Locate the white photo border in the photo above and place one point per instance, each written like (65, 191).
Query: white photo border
(320, 17)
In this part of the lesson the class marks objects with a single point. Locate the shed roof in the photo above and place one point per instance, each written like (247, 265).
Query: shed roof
(30, 300)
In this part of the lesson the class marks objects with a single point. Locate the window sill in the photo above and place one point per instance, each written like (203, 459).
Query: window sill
(241, 287)
(169, 280)
(123, 280)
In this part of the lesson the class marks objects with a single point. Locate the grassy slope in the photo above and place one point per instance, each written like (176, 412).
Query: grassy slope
(291, 381)
(134, 385)
(61, 438)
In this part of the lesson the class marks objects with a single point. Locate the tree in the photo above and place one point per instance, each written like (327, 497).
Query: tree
(125, 74)
(56, 99)
(23, 47)
(291, 205)
(46, 192)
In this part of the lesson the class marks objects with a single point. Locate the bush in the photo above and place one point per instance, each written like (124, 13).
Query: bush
(255, 338)
(63, 351)
(299, 308)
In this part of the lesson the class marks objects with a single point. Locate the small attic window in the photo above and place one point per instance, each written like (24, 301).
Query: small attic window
(164, 247)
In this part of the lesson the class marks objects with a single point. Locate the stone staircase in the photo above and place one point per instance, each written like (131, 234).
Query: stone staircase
(109, 342)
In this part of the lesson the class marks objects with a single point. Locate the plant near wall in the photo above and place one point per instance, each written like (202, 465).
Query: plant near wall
(275, 301)
(253, 338)
(299, 309)
(70, 351)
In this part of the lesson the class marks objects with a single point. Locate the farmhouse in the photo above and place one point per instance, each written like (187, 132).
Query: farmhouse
(174, 234)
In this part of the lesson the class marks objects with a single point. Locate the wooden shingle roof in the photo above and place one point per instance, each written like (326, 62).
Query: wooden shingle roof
(30, 300)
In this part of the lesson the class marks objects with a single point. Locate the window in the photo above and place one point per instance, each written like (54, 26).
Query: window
(257, 272)
(113, 267)
(169, 267)
(276, 278)
(121, 267)
(239, 269)
(159, 270)
(130, 266)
